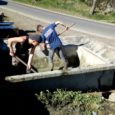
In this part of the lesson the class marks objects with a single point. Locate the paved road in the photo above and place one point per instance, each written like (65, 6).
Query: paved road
(88, 26)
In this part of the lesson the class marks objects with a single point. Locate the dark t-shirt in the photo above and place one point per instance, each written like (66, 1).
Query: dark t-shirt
(50, 35)
(22, 48)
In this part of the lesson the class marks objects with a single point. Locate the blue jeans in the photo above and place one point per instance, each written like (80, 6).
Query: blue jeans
(60, 54)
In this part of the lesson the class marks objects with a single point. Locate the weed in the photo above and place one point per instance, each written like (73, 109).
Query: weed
(73, 100)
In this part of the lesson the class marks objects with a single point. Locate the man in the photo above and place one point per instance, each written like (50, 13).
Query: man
(22, 45)
(50, 37)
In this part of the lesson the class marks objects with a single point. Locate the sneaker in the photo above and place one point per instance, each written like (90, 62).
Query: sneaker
(51, 67)
(65, 67)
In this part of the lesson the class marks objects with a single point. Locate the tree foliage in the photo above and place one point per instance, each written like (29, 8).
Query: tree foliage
(105, 6)
(103, 9)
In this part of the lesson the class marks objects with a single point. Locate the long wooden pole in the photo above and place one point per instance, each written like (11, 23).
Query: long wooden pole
(66, 29)
(17, 58)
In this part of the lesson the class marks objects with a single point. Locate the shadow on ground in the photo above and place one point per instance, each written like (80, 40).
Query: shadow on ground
(20, 102)
(72, 57)
(14, 100)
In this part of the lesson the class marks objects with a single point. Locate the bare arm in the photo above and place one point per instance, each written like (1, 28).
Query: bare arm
(60, 23)
(43, 46)
(30, 57)
(13, 40)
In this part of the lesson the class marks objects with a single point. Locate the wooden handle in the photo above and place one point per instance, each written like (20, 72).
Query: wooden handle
(17, 58)
(66, 29)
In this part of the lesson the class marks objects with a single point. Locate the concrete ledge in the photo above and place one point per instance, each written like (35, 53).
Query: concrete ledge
(95, 74)
(79, 79)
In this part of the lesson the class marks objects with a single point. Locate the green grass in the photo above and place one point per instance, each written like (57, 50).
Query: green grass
(62, 102)
(73, 7)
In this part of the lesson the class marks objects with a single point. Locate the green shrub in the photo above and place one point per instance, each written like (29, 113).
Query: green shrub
(84, 103)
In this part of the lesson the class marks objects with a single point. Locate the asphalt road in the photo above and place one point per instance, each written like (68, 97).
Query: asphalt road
(83, 25)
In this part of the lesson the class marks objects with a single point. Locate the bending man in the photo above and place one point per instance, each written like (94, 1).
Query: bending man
(22, 45)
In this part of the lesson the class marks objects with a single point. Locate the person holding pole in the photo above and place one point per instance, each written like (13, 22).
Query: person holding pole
(25, 46)
(51, 37)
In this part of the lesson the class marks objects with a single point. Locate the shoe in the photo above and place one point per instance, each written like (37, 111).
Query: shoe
(61, 67)
(65, 67)
(51, 67)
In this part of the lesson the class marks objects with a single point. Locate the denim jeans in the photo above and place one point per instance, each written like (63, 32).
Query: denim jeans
(60, 54)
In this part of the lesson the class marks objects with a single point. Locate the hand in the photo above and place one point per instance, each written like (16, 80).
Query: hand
(43, 46)
(12, 54)
(67, 28)
(28, 69)
(28, 66)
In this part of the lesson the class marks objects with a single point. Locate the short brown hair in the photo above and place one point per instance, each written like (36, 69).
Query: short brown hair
(38, 26)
